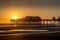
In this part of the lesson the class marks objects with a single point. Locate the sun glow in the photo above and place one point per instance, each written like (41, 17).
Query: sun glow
(15, 17)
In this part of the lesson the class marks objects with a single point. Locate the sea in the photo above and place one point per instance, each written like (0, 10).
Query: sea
(29, 32)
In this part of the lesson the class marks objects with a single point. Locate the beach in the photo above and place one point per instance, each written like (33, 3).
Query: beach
(28, 32)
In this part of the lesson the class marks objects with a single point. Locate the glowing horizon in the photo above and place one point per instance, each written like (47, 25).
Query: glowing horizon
(44, 9)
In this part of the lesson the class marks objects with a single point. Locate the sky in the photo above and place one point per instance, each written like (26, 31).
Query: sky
(45, 9)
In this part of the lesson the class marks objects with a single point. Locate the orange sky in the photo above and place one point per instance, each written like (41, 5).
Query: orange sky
(7, 14)
(21, 8)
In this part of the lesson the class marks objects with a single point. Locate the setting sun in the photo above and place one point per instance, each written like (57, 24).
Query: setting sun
(15, 17)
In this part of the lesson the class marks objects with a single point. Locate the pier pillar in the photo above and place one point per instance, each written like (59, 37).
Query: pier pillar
(47, 23)
(43, 22)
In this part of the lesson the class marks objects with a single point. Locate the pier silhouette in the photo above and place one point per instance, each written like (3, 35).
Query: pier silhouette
(36, 20)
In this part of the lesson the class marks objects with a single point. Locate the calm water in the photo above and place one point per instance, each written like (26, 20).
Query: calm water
(26, 32)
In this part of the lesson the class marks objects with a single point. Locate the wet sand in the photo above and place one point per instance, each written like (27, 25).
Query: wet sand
(44, 36)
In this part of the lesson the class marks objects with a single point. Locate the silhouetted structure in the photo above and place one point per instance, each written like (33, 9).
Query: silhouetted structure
(58, 20)
(35, 20)
(28, 20)
(54, 19)
(31, 19)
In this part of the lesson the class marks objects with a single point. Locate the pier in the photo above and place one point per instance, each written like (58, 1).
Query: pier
(29, 20)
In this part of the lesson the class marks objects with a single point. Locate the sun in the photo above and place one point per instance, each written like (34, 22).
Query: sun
(15, 17)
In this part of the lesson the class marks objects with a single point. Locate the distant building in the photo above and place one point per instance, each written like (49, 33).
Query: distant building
(27, 19)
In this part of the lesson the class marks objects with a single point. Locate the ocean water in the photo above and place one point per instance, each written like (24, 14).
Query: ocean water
(29, 28)
(27, 32)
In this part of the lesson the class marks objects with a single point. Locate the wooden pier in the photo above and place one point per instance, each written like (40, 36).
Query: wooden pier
(36, 20)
